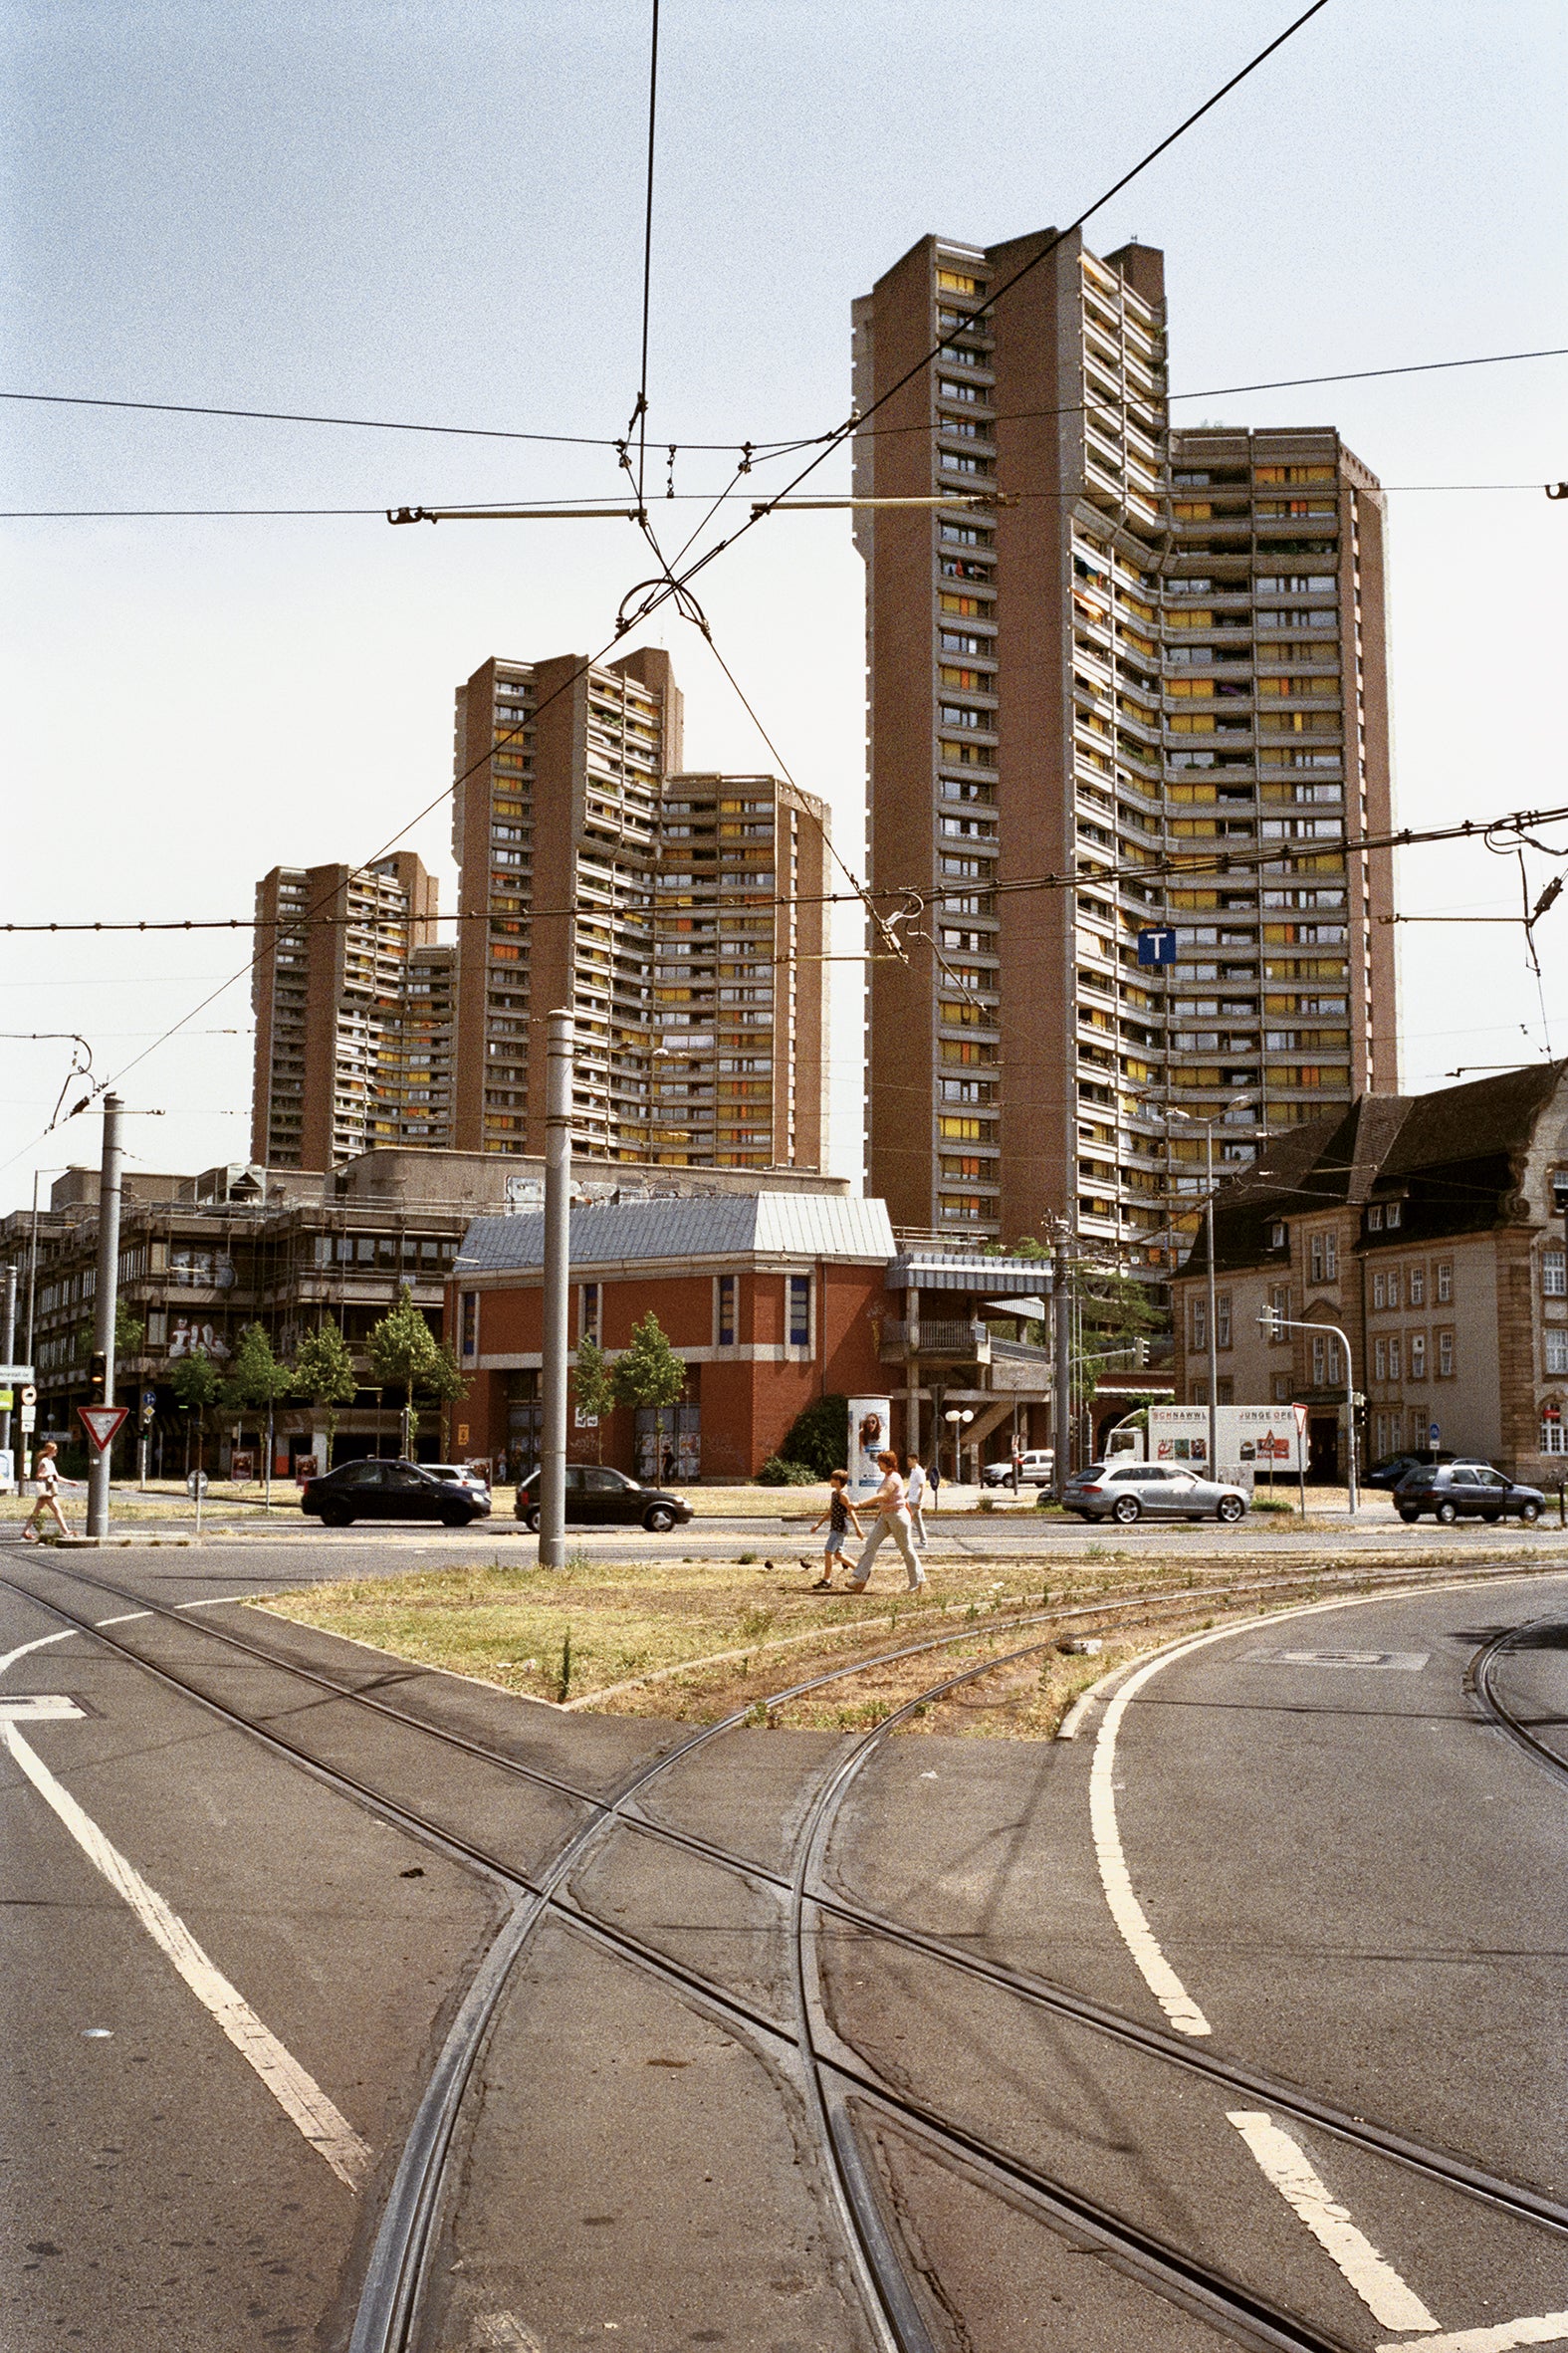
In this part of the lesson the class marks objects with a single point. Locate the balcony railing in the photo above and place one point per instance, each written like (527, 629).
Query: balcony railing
(960, 1342)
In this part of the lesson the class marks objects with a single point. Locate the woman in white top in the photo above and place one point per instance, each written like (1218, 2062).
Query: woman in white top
(915, 1473)
(892, 1521)
(47, 1473)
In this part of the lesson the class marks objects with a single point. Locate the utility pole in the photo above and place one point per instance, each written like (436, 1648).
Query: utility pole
(555, 1335)
(10, 1354)
(104, 1303)
(1214, 1335)
(1060, 1286)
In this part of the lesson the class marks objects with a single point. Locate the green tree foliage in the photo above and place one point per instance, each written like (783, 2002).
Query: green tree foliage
(819, 1437)
(593, 1384)
(254, 1378)
(778, 1473)
(129, 1333)
(405, 1354)
(323, 1377)
(195, 1384)
(650, 1374)
(1118, 1318)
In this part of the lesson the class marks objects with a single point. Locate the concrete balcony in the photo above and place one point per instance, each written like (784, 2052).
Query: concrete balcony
(935, 1341)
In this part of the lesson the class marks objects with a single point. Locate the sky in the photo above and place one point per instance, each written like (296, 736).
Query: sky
(434, 215)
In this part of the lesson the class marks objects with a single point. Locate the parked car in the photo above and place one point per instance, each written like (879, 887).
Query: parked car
(600, 1498)
(1037, 1468)
(391, 1490)
(1126, 1492)
(469, 1476)
(1463, 1491)
(1420, 1457)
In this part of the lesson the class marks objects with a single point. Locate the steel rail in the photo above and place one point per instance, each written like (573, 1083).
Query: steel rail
(1445, 2166)
(1482, 1684)
(390, 2297)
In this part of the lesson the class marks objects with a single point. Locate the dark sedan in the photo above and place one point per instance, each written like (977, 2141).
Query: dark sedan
(1464, 1491)
(390, 1490)
(600, 1498)
(1420, 1457)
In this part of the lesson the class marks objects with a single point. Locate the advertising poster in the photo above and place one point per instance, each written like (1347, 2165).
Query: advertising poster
(870, 1424)
(1250, 1439)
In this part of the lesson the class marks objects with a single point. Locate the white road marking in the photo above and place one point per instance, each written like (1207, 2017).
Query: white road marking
(1375, 2281)
(39, 1642)
(1501, 2336)
(42, 1707)
(124, 1618)
(1409, 1661)
(298, 2094)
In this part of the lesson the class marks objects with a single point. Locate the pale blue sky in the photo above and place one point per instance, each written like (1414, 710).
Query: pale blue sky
(431, 212)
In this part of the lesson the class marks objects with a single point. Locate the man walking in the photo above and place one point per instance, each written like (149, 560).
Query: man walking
(892, 1521)
(915, 1497)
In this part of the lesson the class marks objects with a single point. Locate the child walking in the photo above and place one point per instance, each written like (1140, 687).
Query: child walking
(840, 1517)
(47, 1473)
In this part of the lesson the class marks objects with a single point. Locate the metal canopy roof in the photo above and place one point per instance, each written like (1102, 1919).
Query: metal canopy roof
(714, 1226)
(943, 1269)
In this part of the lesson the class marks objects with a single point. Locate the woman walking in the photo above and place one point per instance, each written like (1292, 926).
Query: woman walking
(840, 1517)
(47, 1473)
(915, 1472)
(892, 1521)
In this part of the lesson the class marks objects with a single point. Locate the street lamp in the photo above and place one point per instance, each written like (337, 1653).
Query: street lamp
(957, 1416)
(1268, 1323)
(1167, 1113)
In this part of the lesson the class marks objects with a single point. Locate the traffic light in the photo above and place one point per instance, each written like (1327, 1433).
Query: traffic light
(98, 1377)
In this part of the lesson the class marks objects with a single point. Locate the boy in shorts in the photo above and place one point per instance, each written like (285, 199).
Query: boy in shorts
(840, 1517)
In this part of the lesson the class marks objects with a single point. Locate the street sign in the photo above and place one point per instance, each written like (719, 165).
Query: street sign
(1435, 1434)
(11, 1373)
(1157, 947)
(6, 1400)
(149, 1397)
(102, 1423)
(29, 1416)
(29, 1393)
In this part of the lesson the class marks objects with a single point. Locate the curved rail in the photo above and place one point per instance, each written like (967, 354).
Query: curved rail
(390, 2296)
(1482, 1681)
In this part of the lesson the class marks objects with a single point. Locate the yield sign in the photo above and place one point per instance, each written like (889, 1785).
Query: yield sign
(103, 1421)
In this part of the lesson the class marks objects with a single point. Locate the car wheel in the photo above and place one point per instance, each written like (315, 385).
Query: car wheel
(1409, 1518)
(659, 1519)
(1126, 1509)
(453, 1519)
(1491, 1517)
(530, 1519)
(1447, 1512)
(1229, 1508)
(336, 1517)
(1530, 1512)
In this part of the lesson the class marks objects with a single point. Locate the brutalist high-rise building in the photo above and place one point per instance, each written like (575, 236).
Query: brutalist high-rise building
(681, 917)
(1112, 668)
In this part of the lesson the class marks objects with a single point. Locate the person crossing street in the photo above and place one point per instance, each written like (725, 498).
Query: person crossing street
(892, 1513)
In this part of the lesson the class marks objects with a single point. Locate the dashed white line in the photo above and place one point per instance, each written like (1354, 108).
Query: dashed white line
(1501, 2336)
(296, 2093)
(1386, 2295)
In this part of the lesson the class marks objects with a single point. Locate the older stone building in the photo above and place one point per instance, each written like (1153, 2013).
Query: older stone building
(1428, 1230)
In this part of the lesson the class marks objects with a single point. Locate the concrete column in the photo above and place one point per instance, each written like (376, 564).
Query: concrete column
(557, 1267)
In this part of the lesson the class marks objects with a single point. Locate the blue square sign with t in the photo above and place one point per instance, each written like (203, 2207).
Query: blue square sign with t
(1157, 947)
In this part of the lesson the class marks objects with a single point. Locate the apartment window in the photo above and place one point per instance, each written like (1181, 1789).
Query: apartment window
(1380, 1290)
(1380, 1360)
(1315, 1257)
(1319, 1363)
(1279, 1388)
(1392, 1215)
(1445, 1281)
(1323, 1251)
(725, 1288)
(1418, 1355)
(1223, 1320)
(1553, 1439)
(1280, 1305)
(1418, 1286)
(588, 1310)
(1277, 1237)
(799, 1310)
(1445, 1356)
(1375, 1213)
(1393, 1287)
(1336, 1365)
(1555, 1273)
(1396, 1348)
(468, 1323)
(1200, 1323)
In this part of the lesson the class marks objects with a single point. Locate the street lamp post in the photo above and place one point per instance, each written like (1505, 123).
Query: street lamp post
(1268, 1323)
(1192, 1120)
(956, 1417)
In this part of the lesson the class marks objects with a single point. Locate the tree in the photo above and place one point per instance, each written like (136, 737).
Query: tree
(594, 1384)
(129, 1333)
(819, 1437)
(1117, 1317)
(649, 1373)
(405, 1354)
(323, 1377)
(255, 1382)
(195, 1383)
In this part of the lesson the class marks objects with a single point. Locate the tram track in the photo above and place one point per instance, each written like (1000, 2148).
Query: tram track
(835, 2089)
(1483, 1684)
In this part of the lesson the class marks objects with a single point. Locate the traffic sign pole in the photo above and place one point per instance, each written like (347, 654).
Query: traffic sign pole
(104, 1303)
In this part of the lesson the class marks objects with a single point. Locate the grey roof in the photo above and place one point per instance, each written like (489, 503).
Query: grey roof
(639, 1233)
(968, 1269)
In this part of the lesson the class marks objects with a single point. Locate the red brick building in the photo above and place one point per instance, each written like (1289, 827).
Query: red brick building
(772, 1300)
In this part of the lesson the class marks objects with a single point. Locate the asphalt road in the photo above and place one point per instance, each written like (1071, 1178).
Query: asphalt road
(1236, 2019)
